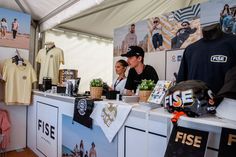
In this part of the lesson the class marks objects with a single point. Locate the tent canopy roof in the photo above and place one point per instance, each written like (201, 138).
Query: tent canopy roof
(99, 18)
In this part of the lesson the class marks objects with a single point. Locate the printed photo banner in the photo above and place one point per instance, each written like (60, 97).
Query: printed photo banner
(15, 29)
(176, 29)
(80, 141)
(227, 143)
(186, 142)
(172, 30)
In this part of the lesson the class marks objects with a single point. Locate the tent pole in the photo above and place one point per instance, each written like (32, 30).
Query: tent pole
(57, 10)
(20, 5)
(96, 11)
(33, 23)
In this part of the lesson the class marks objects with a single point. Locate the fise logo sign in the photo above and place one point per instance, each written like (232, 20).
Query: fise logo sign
(46, 128)
(179, 98)
(219, 58)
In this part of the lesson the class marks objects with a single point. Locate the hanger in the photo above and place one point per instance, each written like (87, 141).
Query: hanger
(17, 59)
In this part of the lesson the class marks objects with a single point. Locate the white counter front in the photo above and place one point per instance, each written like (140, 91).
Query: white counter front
(145, 133)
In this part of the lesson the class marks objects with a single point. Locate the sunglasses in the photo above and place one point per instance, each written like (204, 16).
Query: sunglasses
(155, 21)
(184, 25)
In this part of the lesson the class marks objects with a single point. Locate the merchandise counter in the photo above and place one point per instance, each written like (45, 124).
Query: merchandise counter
(145, 132)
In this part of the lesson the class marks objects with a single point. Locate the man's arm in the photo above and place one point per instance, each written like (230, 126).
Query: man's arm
(129, 84)
(129, 92)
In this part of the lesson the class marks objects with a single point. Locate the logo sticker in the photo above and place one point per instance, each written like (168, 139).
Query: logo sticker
(219, 58)
(82, 106)
(173, 58)
(129, 49)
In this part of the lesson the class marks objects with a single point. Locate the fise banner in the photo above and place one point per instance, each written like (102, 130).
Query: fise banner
(185, 142)
(227, 143)
(47, 129)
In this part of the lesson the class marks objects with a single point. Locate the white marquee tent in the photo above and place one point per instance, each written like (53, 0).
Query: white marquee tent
(64, 21)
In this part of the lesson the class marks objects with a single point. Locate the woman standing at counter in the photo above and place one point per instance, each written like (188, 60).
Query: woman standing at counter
(119, 82)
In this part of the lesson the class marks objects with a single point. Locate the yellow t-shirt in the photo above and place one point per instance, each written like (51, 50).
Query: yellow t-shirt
(50, 63)
(18, 82)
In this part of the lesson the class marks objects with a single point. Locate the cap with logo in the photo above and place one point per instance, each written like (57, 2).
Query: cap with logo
(134, 51)
(193, 97)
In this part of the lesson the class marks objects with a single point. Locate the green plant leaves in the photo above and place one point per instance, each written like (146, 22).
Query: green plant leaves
(96, 82)
(147, 85)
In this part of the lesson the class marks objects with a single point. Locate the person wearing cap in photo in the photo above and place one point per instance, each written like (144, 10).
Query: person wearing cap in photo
(138, 70)
(182, 34)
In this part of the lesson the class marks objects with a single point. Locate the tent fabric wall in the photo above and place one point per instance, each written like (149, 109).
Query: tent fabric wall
(78, 7)
(91, 57)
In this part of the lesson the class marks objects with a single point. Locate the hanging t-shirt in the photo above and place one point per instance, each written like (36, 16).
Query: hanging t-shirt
(134, 79)
(50, 63)
(209, 61)
(18, 82)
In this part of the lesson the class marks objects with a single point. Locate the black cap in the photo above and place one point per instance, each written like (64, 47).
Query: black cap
(134, 51)
(229, 88)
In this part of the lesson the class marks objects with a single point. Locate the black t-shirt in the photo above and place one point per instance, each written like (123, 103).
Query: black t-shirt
(209, 61)
(134, 79)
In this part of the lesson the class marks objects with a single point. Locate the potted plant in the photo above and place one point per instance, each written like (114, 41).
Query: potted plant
(96, 87)
(145, 89)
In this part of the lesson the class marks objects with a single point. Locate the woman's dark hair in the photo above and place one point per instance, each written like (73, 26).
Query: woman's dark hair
(4, 20)
(123, 62)
(226, 5)
(228, 10)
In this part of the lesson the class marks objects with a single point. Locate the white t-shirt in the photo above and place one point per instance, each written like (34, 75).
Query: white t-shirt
(50, 64)
(119, 85)
(18, 82)
(157, 29)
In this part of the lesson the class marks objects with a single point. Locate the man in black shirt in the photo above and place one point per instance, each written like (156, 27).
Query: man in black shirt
(138, 70)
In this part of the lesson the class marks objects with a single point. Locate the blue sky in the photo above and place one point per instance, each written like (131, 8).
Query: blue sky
(23, 19)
